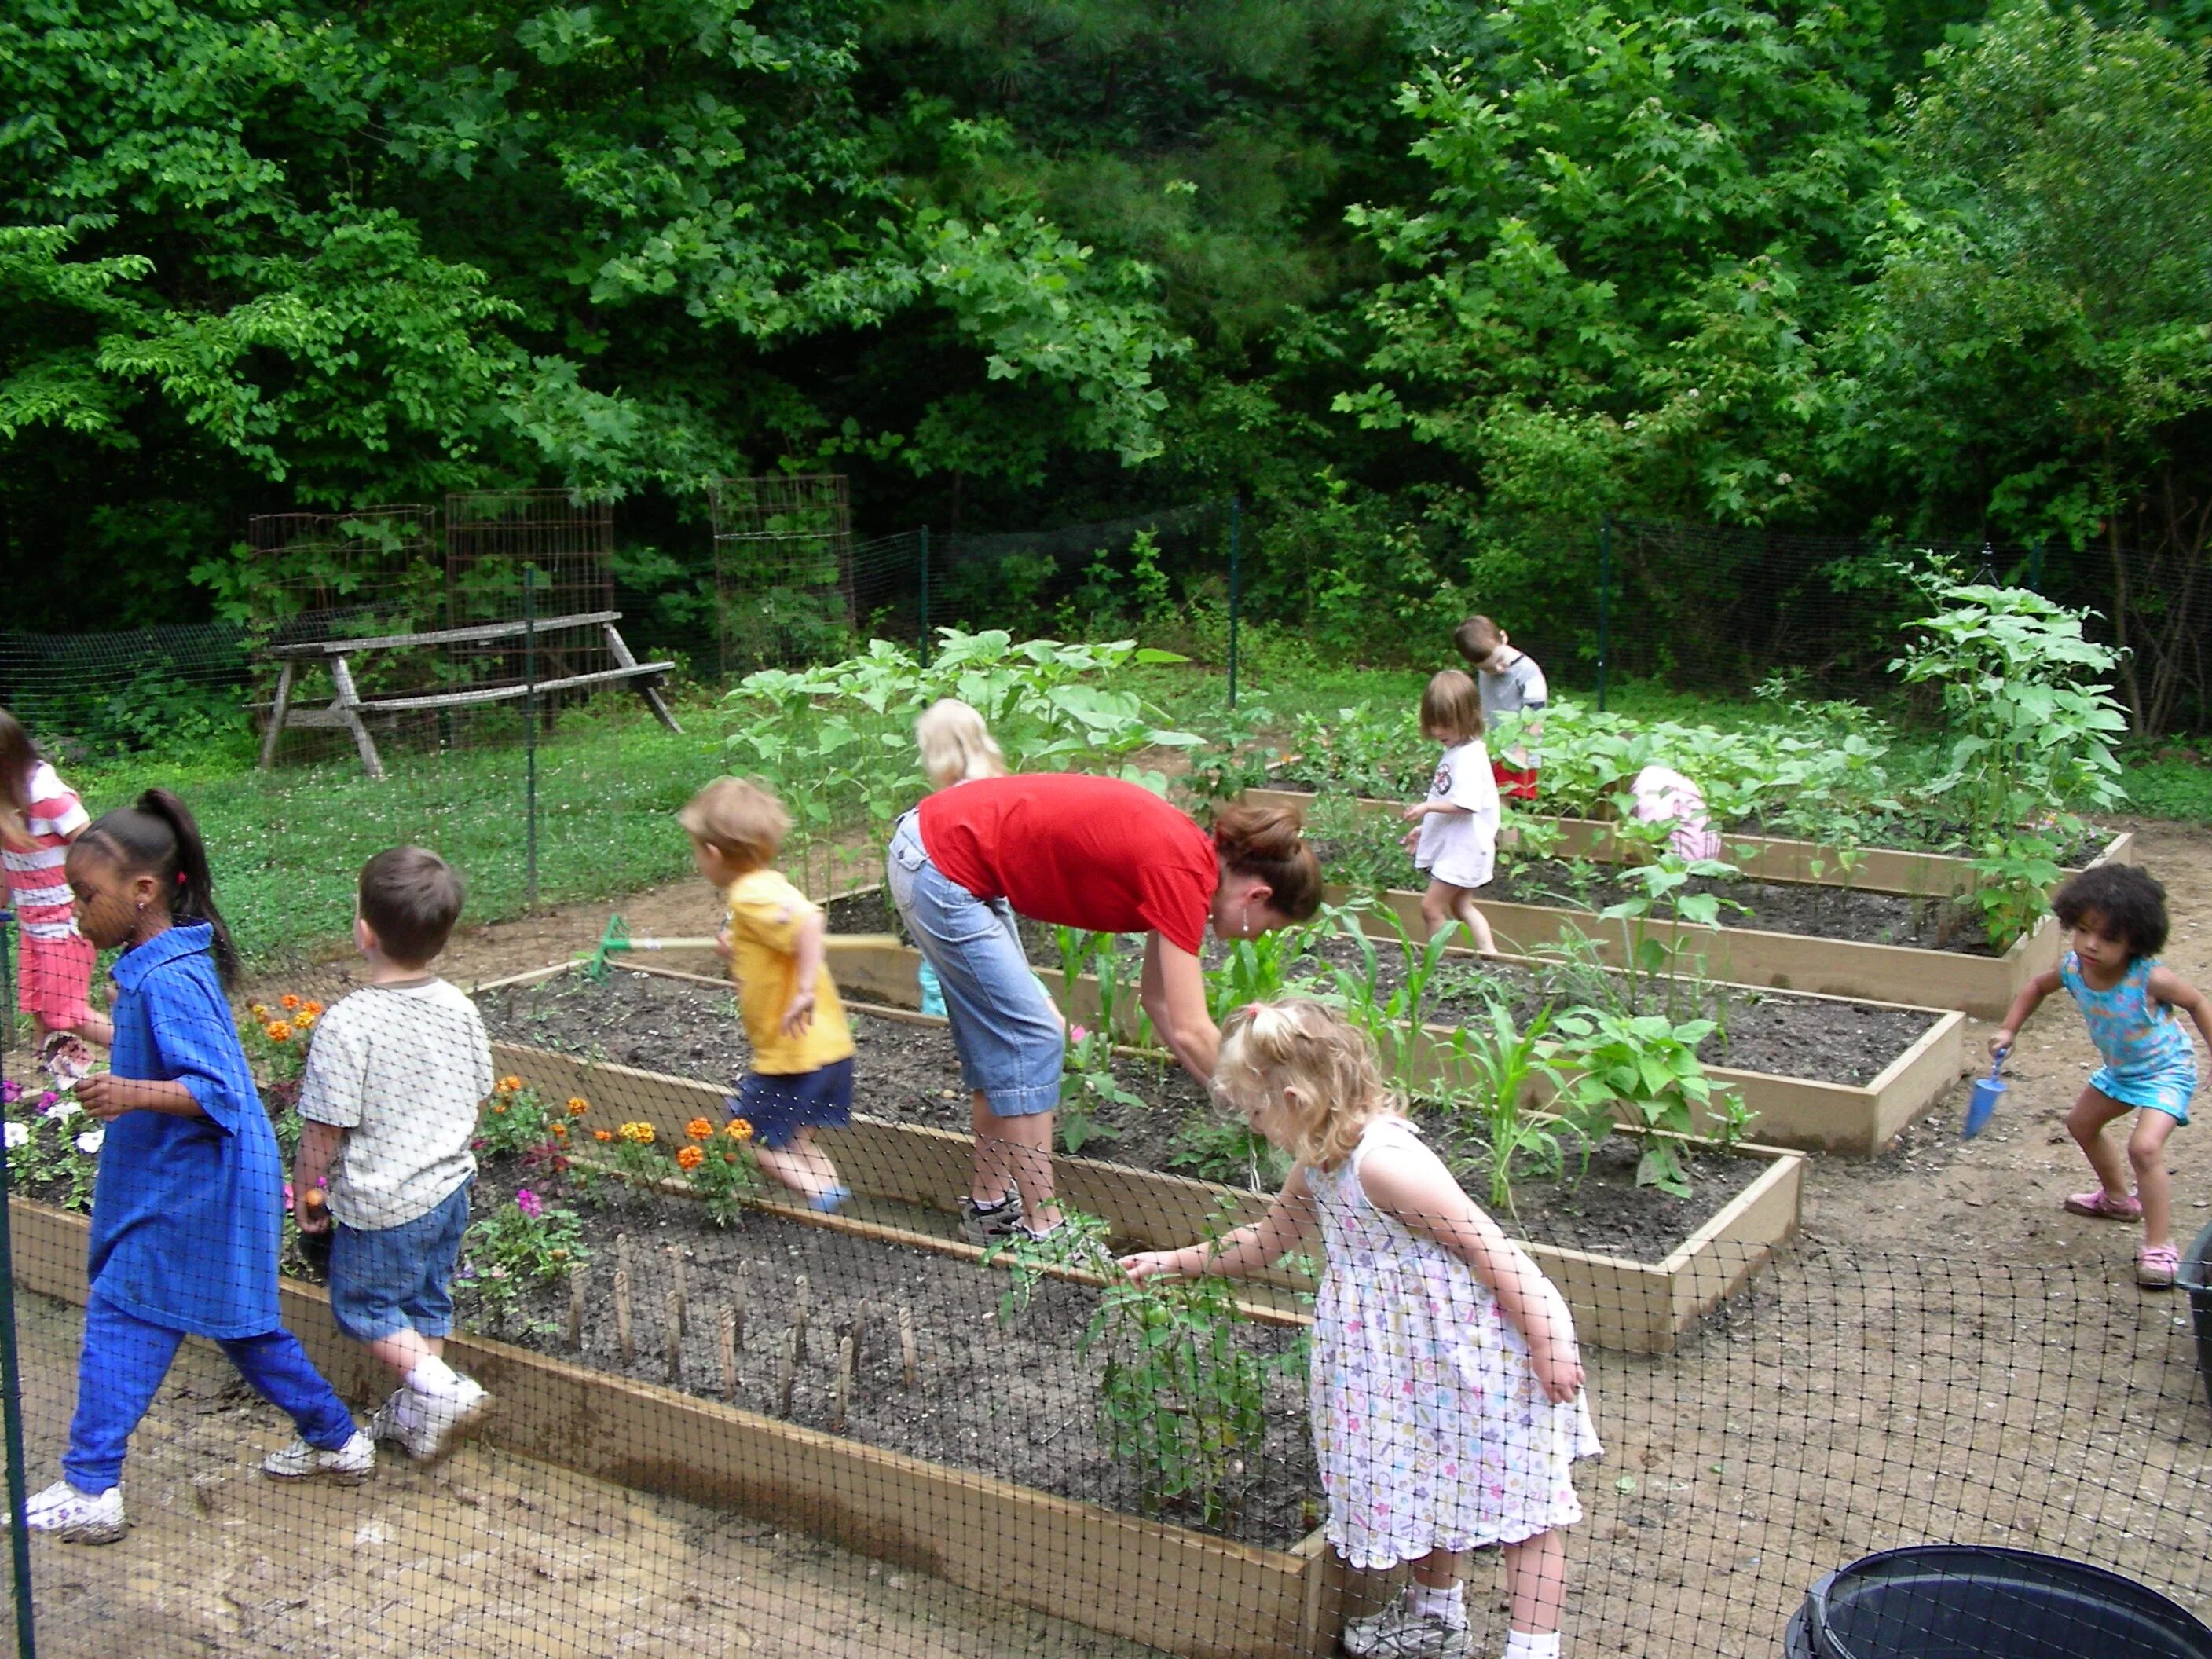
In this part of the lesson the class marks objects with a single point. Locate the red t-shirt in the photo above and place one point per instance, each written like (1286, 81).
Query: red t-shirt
(1077, 851)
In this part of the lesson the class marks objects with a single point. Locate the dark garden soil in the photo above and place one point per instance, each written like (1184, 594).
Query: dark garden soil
(908, 1074)
(1010, 1393)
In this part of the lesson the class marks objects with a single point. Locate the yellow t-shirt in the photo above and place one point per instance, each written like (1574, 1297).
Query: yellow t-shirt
(765, 914)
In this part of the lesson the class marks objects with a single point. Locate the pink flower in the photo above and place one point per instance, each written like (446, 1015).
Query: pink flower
(528, 1203)
(10, 1092)
(1078, 1034)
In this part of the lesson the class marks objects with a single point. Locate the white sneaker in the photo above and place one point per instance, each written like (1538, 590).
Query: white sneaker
(352, 1461)
(1399, 1632)
(74, 1516)
(426, 1422)
(389, 1421)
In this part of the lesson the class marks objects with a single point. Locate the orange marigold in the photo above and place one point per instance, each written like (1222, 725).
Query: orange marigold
(578, 1105)
(313, 1010)
(602, 1135)
(508, 1085)
(699, 1129)
(560, 1131)
(278, 1032)
(740, 1129)
(290, 1001)
(690, 1158)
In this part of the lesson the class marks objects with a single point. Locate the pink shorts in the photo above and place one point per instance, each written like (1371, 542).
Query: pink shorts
(56, 984)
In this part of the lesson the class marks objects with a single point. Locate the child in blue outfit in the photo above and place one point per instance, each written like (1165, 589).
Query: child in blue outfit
(2134, 1008)
(187, 1208)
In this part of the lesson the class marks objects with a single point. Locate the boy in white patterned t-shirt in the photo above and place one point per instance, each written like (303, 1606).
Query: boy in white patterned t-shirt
(389, 1106)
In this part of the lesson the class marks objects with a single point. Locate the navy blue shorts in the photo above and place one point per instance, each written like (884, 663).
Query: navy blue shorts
(779, 1106)
(388, 1279)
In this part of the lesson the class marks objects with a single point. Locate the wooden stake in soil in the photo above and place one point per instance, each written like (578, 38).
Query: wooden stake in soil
(798, 1318)
(622, 1252)
(574, 1333)
(727, 1343)
(857, 1332)
(677, 1293)
(672, 1323)
(736, 1310)
(787, 1372)
(907, 1356)
(842, 1406)
(621, 1316)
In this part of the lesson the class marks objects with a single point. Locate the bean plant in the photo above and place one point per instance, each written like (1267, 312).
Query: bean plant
(1648, 1065)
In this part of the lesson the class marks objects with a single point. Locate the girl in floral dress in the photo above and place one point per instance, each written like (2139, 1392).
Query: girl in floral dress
(1446, 1389)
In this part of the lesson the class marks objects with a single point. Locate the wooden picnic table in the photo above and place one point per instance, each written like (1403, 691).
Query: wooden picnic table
(347, 708)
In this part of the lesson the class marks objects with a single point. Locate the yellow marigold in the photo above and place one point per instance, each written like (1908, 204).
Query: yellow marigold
(258, 1010)
(690, 1158)
(578, 1105)
(508, 1085)
(740, 1129)
(560, 1131)
(699, 1129)
(641, 1133)
(278, 1032)
(602, 1135)
(290, 1001)
(303, 1021)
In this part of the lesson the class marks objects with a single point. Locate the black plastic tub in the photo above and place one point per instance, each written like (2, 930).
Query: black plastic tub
(1968, 1601)
(2195, 1278)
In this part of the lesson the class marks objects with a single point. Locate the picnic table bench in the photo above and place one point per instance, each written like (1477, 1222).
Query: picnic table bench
(347, 708)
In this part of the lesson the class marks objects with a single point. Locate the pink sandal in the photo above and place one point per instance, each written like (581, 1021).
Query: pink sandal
(2156, 1267)
(2101, 1204)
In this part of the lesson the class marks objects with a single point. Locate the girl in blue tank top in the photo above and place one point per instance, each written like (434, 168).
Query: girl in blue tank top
(2117, 914)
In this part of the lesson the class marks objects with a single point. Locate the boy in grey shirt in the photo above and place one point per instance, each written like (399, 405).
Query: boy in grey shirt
(389, 1107)
(1510, 684)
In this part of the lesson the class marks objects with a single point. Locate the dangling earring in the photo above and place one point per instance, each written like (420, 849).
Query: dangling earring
(1245, 925)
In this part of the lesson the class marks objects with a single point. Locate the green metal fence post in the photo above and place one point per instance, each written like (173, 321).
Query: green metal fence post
(1236, 537)
(530, 731)
(11, 1414)
(924, 596)
(2035, 566)
(1604, 584)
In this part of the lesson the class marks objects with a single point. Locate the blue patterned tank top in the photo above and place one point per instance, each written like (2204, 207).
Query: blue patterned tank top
(2137, 1034)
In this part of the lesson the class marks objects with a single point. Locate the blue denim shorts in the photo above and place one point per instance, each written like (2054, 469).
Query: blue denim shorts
(1004, 1026)
(780, 1104)
(388, 1279)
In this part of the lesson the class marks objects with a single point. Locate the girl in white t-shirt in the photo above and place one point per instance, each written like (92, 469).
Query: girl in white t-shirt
(1455, 836)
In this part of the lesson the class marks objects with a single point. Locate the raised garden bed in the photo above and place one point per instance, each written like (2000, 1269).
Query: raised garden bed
(1766, 858)
(1691, 1259)
(1207, 1596)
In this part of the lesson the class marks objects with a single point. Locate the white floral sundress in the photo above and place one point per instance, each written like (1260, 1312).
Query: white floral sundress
(1428, 1425)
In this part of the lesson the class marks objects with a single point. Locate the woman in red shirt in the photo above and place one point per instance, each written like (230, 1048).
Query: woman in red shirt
(1074, 851)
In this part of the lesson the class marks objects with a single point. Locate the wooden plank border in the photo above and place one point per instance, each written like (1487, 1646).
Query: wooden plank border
(1205, 1598)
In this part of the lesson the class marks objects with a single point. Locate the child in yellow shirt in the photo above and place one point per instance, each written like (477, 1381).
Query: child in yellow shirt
(802, 1070)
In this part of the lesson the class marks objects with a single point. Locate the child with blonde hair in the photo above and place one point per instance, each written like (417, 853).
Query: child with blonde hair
(956, 747)
(1446, 1388)
(802, 1072)
(1454, 838)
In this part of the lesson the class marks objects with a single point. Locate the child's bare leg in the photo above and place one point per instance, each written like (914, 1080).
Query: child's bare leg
(2085, 1123)
(802, 1166)
(1476, 924)
(2147, 1155)
(1536, 1583)
(1437, 907)
(1437, 1570)
(404, 1350)
(994, 1174)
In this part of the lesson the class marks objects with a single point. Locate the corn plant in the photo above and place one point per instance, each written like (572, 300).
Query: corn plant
(1253, 970)
(1500, 1062)
(1392, 1020)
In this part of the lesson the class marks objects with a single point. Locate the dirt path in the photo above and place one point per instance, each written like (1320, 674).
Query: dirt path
(487, 1557)
(1996, 1197)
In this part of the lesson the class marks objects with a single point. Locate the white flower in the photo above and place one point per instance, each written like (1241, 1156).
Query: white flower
(63, 1110)
(91, 1141)
(18, 1135)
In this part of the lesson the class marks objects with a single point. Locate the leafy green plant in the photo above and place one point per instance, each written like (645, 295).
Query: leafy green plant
(1180, 1398)
(1253, 970)
(1362, 850)
(518, 1247)
(1079, 1244)
(1664, 890)
(513, 1120)
(1646, 1066)
(719, 1168)
(1502, 1061)
(2012, 880)
(1087, 1084)
(1213, 1147)
(51, 1143)
(1392, 1019)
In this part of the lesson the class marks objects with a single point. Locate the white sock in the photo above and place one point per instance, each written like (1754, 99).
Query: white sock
(1449, 1604)
(434, 1376)
(1520, 1644)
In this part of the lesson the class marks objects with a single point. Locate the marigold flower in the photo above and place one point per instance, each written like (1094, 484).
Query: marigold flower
(559, 1131)
(499, 1109)
(699, 1129)
(258, 1010)
(602, 1135)
(303, 1021)
(290, 1001)
(639, 1133)
(740, 1129)
(690, 1158)
(508, 1085)
(279, 1031)
(313, 1010)
(578, 1105)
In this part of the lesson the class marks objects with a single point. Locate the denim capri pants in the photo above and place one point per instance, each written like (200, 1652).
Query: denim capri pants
(1004, 1027)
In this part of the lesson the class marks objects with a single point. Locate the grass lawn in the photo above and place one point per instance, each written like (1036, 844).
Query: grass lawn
(287, 845)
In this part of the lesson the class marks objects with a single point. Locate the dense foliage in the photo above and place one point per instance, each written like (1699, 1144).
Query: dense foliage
(1392, 269)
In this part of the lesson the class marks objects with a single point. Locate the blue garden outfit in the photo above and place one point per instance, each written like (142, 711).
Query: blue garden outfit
(2150, 1060)
(187, 1218)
